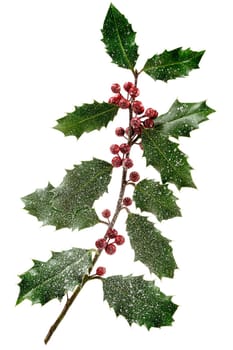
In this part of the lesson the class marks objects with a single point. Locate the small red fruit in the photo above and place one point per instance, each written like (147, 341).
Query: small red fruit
(135, 122)
(115, 149)
(119, 240)
(106, 213)
(124, 148)
(149, 123)
(111, 233)
(137, 131)
(134, 91)
(100, 271)
(123, 103)
(127, 163)
(127, 86)
(110, 249)
(134, 176)
(115, 99)
(101, 243)
(116, 162)
(151, 113)
(116, 88)
(127, 201)
(138, 107)
(120, 131)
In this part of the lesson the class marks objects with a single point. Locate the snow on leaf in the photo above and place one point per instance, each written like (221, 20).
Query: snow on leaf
(87, 118)
(172, 64)
(182, 118)
(70, 204)
(150, 247)
(165, 156)
(55, 277)
(119, 39)
(139, 301)
(156, 198)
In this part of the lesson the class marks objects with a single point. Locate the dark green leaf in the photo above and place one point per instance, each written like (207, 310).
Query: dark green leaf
(182, 118)
(155, 198)
(139, 301)
(40, 204)
(150, 247)
(70, 204)
(165, 156)
(172, 64)
(82, 185)
(119, 39)
(55, 277)
(87, 118)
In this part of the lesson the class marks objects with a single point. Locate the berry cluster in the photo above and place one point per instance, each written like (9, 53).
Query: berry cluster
(109, 242)
(141, 118)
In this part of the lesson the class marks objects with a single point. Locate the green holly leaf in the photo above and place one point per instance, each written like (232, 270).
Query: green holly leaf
(165, 156)
(55, 277)
(70, 204)
(40, 204)
(157, 199)
(139, 301)
(87, 118)
(182, 118)
(82, 185)
(119, 39)
(150, 247)
(172, 64)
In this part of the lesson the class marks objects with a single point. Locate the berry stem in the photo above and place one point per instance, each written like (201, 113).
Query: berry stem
(66, 307)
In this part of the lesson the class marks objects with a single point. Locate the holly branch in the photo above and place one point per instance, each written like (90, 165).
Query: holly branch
(72, 203)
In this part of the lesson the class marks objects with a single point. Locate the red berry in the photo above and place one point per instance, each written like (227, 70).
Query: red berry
(134, 91)
(100, 271)
(127, 86)
(111, 233)
(124, 148)
(106, 213)
(120, 131)
(114, 149)
(127, 163)
(151, 113)
(134, 176)
(127, 201)
(115, 99)
(110, 249)
(138, 107)
(101, 243)
(135, 122)
(148, 123)
(116, 162)
(119, 240)
(138, 131)
(111, 100)
(116, 88)
(123, 103)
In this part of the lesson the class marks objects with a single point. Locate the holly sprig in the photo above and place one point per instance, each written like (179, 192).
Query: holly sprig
(71, 204)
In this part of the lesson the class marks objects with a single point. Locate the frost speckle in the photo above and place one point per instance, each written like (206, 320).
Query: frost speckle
(52, 279)
(138, 301)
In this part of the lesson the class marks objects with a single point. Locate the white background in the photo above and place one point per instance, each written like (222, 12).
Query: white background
(52, 59)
